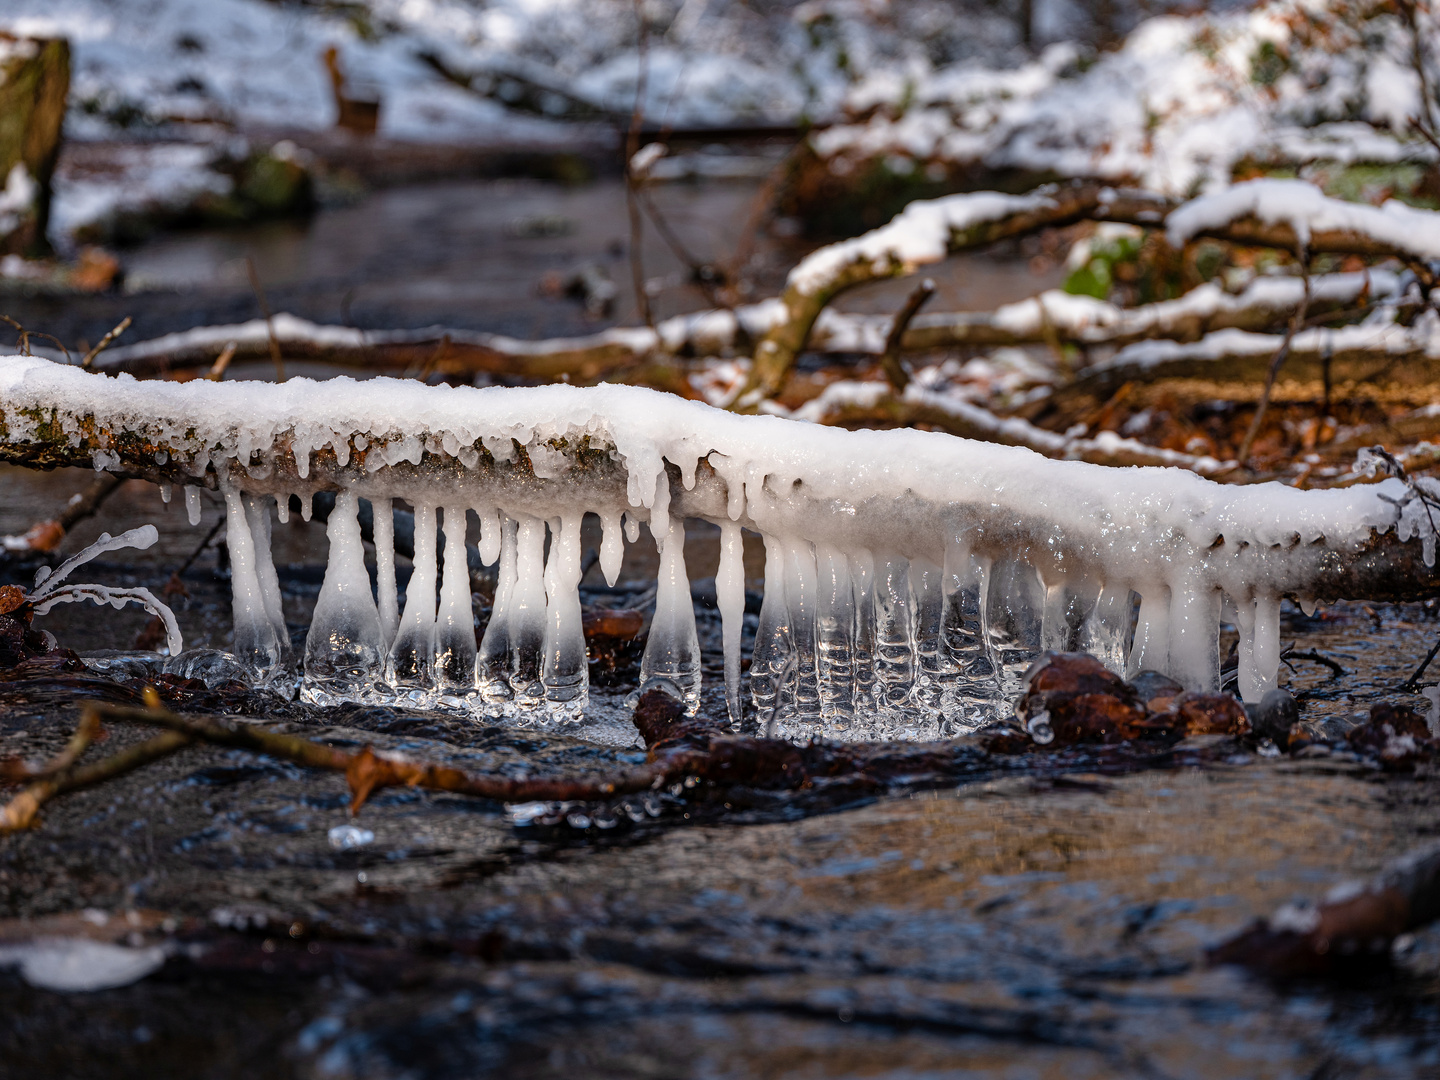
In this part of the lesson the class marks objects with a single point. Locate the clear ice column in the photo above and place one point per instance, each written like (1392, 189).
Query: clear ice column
(566, 673)
(409, 670)
(973, 699)
(525, 614)
(894, 634)
(455, 621)
(730, 596)
(344, 651)
(672, 652)
(800, 589)
(835, 635)
(257, 643)
(1014, 611)
(492, 666)
(774, 651)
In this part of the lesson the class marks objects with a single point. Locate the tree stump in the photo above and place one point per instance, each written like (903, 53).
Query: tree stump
(34, 82)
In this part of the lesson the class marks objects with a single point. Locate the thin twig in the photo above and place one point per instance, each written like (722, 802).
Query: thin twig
(111, 335)
(23, 342)
(1291, 329)
(217, 369)
(1413, 683)
(15, 770)
(20, 812)
(269, 322)
(632, 145)
(890, 359)
(704, 274)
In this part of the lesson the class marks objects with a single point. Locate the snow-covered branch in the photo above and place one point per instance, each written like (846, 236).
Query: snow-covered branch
(1263, 213)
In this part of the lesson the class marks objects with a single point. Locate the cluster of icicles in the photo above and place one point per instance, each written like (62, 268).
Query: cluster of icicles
(848, 644)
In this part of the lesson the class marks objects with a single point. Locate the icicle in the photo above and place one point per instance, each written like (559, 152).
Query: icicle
(800, 590)
(566, 673)
(525, 615)
(730, 596)
(307, 506)
(257, 514)
(1104, 631)
(1068, 604)
(344, 650)
(282, 509)
(1194, 636)
(612, 547)
(631, 525)
(934, 670)
(1247, 679)
(672, 652)
(862, 578)
(773, 646)
(973, 698)
(894, 634)
(192, 504)
(1266, 650)
(409, 668)
(660, 509)
(382, 516)
(835, 635)
(455, 620)
(1151, 650)
(1014, 609)
(490, 531)
(166, 491)
(256, 643)
(492, 667)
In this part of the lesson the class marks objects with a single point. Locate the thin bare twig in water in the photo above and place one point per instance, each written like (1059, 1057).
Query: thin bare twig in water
(761, 206)
(23, 341)
(20, 812)
(1293, 328)
(45, 536)
(217, 369)
(111, 335)
(772, 723)
(1336, 671)
(703, 274)
(632, 146)
(1413, 683)
(269, 322)
(890, 359)
(15, 770)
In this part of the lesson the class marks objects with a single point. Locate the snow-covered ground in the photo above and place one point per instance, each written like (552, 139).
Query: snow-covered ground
(1176, 108)
(922, 85)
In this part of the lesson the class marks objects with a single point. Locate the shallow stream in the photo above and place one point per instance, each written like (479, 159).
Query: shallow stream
(1043, 916)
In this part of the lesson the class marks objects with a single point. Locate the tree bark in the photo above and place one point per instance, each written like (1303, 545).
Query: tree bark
(34, 83)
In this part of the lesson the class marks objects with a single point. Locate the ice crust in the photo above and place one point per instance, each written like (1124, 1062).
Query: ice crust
(910, 576)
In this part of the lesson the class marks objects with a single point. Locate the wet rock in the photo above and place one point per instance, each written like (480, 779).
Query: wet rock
(1073, 697)
(1203, 714)
(1156, 690)
(1274, 716)
(1395, 734)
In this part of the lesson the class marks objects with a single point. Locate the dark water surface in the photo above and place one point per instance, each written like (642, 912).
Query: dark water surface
(1029, 921)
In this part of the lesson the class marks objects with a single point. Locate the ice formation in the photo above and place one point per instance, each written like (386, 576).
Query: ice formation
(910, 577)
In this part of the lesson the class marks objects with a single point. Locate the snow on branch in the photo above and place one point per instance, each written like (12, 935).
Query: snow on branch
(927, 231)
(1316, 221)
(859, 403)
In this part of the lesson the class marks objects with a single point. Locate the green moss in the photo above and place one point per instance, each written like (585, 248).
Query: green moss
(1267, 64)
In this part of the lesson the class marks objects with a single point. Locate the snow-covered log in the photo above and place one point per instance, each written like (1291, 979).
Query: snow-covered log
(1263, 213)
(855, 404)
(1382, 351)
(911, 577)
